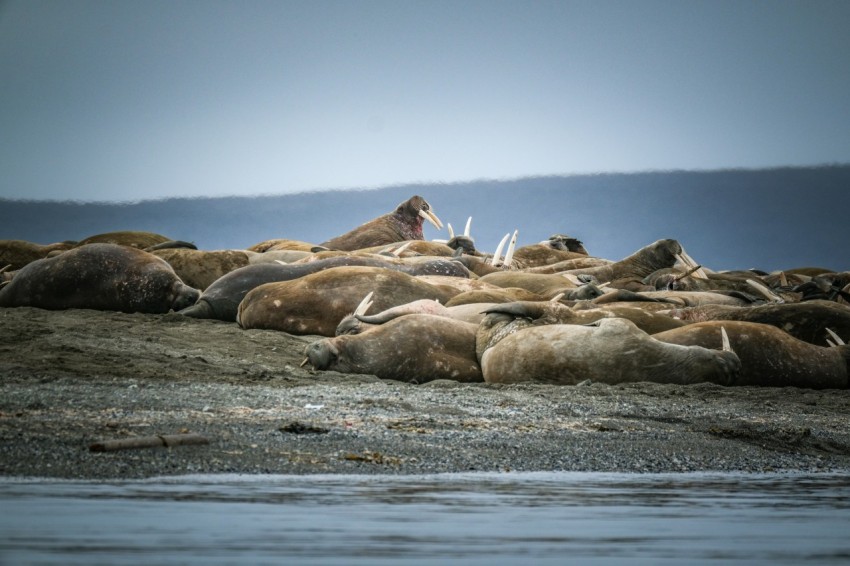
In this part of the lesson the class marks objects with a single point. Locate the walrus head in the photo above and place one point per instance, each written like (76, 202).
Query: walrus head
(321, 354)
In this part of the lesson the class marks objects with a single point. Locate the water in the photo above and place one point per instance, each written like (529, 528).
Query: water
(540, 518)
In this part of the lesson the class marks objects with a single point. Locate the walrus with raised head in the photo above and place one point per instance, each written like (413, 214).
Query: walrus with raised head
(404, 223)
(643, 262)
(414, 347)
(107, 277)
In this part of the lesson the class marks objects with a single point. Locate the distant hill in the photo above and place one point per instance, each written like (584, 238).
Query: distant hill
(731, 219)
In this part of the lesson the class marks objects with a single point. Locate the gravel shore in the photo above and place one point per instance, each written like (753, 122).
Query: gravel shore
(78, 377)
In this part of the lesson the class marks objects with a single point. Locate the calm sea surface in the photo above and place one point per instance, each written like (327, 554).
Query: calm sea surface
(476, 518)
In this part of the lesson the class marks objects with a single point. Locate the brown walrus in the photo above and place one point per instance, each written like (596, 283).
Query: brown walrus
(769, 356)
(101, 277)
(404, 223)
(611, 350)
(316, 303)
(414, 347)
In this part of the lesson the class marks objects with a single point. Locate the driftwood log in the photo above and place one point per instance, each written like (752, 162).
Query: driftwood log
(157, 441)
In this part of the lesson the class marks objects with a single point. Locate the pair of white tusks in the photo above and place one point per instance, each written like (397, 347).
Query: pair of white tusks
(432, 218)
(837, 339)
(452, 232)
(497, 260)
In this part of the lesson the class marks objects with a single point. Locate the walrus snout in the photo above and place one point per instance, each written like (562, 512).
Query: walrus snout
(321, 354)
(186, 297)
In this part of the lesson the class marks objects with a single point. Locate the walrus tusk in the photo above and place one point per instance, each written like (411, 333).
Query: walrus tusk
(304, 363)
(496, 260)
(767, 293)
(724, 338)
(689, 262)
(364, 305)
(509, 255)
(451, 231)
(5, 268)
(281, 262)
(468, 225)
(836, 337)
(401, 249)
(688, 272)
(783, 281)
(432, 218)
(556, 298)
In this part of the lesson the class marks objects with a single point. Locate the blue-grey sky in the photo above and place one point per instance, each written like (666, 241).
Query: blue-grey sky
(120, 100)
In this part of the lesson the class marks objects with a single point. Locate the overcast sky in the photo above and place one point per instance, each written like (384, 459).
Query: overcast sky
(122, 100)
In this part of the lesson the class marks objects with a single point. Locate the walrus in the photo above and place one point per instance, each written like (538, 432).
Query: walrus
(199, 268)
(540, 313)
(769, 356)
(316, 303)
(556, 249)
(643, 262)
(221, 299)
(358, 322)
(611, 350)
(414, 347)
(279, 244)
(17, 253)
(546, 286)
(806, 321)
(132, 238)
(578, 264)
(404, 223)
(503, 295)
(102, 277)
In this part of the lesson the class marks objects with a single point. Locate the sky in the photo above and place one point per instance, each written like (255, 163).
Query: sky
(126, 101)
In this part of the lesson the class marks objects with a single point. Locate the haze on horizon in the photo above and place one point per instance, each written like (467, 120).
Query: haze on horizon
(128, 101)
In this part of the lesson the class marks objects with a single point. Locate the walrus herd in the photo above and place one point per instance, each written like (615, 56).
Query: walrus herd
(391, 304)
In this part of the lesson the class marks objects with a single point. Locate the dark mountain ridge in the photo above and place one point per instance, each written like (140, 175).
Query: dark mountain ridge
(769, 219)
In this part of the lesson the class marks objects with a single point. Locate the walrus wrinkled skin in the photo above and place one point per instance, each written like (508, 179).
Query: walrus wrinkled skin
(221, 299)
(357, 323)
(316, 303)
(541, 313)
(131, 238)
(414, 347)
(769, 356)
(200, 268)
(643, 262)
(102, 277)
(404, 223)
(18, 253)
(805, 321)
(612, 350)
